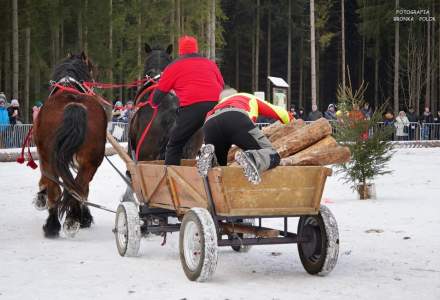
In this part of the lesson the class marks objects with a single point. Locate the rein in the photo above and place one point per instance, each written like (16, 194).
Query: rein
(155, 110)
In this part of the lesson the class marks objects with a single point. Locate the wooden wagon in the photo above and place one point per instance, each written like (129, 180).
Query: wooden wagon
(224, 209)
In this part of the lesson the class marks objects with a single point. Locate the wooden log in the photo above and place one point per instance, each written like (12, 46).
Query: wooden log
(272, 128)
(258, 232)
(303, 137)
(319, 156)
(284, 130)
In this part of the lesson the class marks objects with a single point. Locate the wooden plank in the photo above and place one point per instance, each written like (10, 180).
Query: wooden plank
(184, 184)
(258, 232)
(119, 149)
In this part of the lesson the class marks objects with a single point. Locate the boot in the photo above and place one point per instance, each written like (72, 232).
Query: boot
(205, 158)
(250, 170)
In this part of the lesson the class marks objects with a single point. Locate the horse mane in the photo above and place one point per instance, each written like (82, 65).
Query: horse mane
(157, 59)
(73, 66)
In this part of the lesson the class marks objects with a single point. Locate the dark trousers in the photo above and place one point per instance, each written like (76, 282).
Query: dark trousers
(234, 127)
(189, 119)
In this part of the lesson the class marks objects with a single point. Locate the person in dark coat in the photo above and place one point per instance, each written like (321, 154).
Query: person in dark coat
(315, 114)
(413, 118)
(426, 119)
(330, 113)
(301, 115)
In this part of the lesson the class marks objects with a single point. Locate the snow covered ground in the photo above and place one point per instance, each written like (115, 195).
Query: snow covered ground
(390, 247)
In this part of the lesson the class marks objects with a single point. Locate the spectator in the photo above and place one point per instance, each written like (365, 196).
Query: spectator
(427, 120)
(300, 115)
(36, 109)
(117, 111)
(14, 112)
(437, 125)
(293, 111)
(402, 126)
(315, 114)
(388, 120)
(413, 118)
(3, 96)
(4, 122)
(366, 111)
(330, 113)
(128, 112)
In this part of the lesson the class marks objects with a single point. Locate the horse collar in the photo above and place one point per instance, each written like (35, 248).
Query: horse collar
(67, 81)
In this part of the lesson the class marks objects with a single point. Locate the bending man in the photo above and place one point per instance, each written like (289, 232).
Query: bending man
(232, 122)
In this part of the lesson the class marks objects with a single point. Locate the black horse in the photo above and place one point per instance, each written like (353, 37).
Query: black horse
(154, 144)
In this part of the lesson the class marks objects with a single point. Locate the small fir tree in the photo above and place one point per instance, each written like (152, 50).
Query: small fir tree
(369, 143)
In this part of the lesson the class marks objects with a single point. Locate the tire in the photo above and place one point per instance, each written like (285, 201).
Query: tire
(244, 248)
(320, 254)
(127, 229)
(198, 245)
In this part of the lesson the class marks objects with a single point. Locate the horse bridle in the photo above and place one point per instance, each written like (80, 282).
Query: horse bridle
(67, 81)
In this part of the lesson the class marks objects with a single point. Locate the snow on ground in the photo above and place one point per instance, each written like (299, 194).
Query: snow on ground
(400, 259)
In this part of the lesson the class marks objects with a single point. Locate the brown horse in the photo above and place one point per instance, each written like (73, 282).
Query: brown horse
(70, 133)
(154, 145)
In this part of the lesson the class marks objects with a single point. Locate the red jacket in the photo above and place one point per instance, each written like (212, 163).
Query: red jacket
(193, 78)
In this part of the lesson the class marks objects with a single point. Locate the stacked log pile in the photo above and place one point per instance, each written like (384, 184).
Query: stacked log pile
(304, 145)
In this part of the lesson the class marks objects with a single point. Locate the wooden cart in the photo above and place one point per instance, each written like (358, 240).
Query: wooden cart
(224, 209)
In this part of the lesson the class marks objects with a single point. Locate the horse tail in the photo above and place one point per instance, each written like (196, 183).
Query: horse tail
(68, 139)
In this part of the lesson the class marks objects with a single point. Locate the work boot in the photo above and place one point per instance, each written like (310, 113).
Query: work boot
(205, 158)
(247, 162)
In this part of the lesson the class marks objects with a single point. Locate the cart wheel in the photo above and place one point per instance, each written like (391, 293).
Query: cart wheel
(320, 254)
(244, 248)
(198, 245)
(127, 229)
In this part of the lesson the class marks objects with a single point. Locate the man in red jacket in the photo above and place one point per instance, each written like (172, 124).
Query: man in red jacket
(197, 82)
(232, 122)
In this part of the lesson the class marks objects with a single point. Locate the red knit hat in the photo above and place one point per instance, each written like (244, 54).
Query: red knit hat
(187, 45)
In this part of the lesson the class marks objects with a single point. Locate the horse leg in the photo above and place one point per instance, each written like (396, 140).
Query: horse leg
(40, 199)
(52, 227)
(78, 215)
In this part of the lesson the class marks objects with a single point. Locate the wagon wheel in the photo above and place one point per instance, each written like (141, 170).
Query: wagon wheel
(243, 248)
(320, 254)
(198, 245)
(127, 229)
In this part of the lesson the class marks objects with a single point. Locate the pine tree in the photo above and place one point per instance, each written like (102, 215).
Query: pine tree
(369, 143)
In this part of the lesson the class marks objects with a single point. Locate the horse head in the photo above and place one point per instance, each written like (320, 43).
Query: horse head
(76, 66)
(157, 59)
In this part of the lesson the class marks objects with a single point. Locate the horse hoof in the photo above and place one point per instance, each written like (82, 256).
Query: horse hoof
(51, 232)
(71, 227)
(40, 201)
(86, 221)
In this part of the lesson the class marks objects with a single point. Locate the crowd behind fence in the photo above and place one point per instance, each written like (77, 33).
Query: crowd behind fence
(12, 136)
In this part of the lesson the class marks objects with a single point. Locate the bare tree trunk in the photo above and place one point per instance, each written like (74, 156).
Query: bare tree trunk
(62, 38)
(253, 55)
(301, 70)
(343, 41)
(396, 64)
(269, 50)
(80, 27)
(110, 47)
(237, 61)
(289, 54)
(27, 69)
(312, 50)
(434, 70)
(317, 68)
(376, 76)
(86, 28)
(178, 18)
(8, 81)
(139, 41)
(257, 47)
(37, 80)
(428, 67)
(212, 30)
(15, 53)
(363, 54)
(173, 25)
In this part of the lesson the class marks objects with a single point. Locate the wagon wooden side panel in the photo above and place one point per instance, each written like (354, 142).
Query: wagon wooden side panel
(283, 191)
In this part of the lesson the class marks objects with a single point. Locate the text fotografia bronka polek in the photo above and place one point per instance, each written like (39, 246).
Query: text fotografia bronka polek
(411, 15)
